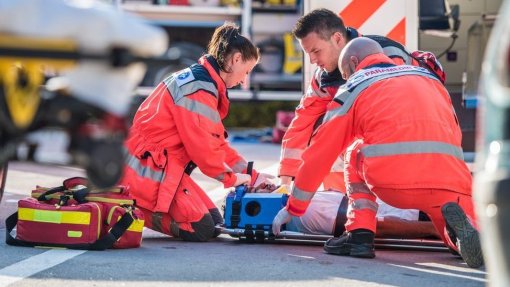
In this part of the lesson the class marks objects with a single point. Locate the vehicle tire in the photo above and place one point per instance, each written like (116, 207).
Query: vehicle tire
(187, 53)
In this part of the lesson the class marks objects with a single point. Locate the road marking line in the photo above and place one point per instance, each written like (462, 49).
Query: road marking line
(35, 264)
(441, 273)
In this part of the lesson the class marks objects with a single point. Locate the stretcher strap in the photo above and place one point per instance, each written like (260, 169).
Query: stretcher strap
(104, 242)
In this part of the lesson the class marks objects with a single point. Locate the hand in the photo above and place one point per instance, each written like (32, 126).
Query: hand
(281, 218)
(263, 178)
(285, 180)
(284, 189)
(242, 178)
(264, 188)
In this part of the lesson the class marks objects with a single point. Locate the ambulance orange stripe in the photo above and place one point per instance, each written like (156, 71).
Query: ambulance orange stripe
(358, 11)
(399, 32)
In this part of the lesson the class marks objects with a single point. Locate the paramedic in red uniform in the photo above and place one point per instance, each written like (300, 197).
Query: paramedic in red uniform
(403, 144)
(179, 127)
(322, 36)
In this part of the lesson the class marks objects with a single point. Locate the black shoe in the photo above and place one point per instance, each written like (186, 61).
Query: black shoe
(463, 234)
(358, 243)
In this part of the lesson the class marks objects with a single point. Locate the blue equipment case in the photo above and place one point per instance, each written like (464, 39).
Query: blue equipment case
(252, 211)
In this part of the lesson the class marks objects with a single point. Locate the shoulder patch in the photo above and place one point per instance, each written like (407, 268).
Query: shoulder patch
(184, 76)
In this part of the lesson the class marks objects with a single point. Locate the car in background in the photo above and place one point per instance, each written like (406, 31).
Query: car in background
(492, 165)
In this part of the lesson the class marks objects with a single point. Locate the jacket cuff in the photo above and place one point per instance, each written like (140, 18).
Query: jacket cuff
(230, 180)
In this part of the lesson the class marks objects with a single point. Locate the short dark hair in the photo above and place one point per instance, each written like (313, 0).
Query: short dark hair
(227, 40)
(321, 21)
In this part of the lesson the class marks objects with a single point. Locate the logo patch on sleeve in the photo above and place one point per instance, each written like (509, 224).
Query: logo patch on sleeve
(183, 77)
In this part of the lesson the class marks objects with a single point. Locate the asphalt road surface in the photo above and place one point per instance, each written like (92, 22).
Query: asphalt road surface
(225, 261)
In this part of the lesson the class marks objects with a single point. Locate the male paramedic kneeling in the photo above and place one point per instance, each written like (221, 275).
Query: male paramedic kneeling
(403, 144)
(179, 127)
(322, 36)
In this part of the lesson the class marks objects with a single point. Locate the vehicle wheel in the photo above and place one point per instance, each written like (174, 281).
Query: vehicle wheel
(187, 53)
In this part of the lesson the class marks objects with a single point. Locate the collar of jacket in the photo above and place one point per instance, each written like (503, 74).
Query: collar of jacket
(212, 67)
(351, 33)
(374, 59)
(333, 79)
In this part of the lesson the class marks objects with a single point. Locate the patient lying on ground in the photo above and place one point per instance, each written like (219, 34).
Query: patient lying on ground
(326, 215)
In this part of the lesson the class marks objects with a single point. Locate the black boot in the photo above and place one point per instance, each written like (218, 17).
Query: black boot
(357, 243)
(463, 234)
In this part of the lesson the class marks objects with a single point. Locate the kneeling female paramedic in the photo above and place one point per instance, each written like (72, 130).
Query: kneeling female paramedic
(179, 127)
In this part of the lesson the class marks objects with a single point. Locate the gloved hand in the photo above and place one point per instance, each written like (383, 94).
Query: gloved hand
(284, 189)
(281, 218)
(263, 178)
(285, 180)
(242, 178)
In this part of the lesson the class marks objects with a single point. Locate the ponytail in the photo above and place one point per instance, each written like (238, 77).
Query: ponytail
(226, 41)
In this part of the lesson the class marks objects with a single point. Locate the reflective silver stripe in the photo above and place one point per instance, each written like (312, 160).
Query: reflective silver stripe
(240, 166)
(363, 203)
(347, 94)
(416, 147)
(292, 153)
(179, 95)
(199, 108)
(302, 195)
(392, 51)
(194, 86)
(143, 171)
(358, 187)
(189, 88)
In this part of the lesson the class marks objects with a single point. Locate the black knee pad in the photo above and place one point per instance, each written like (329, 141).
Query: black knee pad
(204, 230)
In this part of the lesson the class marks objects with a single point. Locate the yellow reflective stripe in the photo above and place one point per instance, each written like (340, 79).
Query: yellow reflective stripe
(54, 216)
(302, 195)
(74, 234)
(110, 200)
(91, 198)
(136, 226)
(292, 153)
(414, 147)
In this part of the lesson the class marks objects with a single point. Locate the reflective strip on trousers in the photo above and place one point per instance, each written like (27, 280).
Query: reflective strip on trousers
(143, 171)
(362, 203)
(358, 187)
(416, 147)
(348, 93)
(302, 195)
(292, 153)
(392, 51)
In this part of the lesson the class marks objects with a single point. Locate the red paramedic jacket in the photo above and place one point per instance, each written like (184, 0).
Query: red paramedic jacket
(411, 135)
(177, 127)
(319, 94)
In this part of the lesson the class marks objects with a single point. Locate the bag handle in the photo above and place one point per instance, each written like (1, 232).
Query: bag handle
(106, 241)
